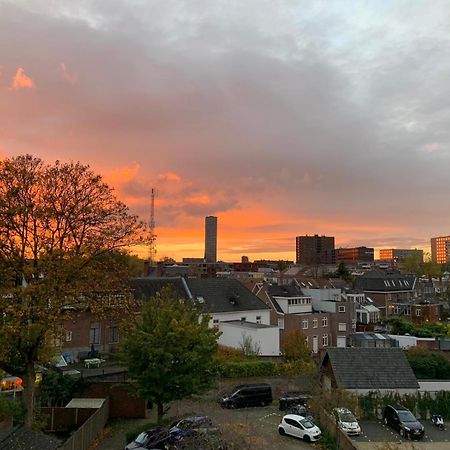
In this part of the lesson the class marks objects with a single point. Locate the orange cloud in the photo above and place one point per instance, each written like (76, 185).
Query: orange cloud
(199, 199)
(168, 176)
(22, 81)
(70, 77)
(124, 174)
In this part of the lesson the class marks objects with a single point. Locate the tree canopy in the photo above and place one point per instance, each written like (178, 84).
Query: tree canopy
(61, 229)
(169, 351)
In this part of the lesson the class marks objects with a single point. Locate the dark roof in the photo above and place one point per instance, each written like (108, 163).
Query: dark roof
(371, 368)
(144, 288)
(289, 290)
(385, 281)
(224, 295)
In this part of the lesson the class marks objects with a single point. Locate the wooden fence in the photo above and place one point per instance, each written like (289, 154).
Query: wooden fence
(85, 435)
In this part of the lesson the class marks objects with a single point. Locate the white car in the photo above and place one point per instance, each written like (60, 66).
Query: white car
(300, 427)
(346, 421)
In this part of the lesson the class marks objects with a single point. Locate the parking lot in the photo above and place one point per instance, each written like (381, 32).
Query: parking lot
(258, 425)
(376, 431)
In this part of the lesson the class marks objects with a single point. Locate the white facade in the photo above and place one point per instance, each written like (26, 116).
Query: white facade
(294, 305)
(323, 299)
(256, 316)
(409, 341)
(264, 337)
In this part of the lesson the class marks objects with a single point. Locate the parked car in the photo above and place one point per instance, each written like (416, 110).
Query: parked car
(292, 398)
(403, 420)
(346, 421)
(299, 427)
(191, 425)
(152, 438)
(248, 395)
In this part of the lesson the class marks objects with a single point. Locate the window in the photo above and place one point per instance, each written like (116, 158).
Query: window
(258, 319)
(113, 333)
(315, 322)
(418, 312)
(324, 321)
(325, 340)
(341, 308)
(342, 327)
(68, 336)
(94, 333)
(281, 324)
(215, 321)
(304, 324)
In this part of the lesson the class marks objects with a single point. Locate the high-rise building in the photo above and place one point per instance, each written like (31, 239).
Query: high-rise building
(354, 254)
(399, 254)
(440, 249)
(210, 239)
(315, 249)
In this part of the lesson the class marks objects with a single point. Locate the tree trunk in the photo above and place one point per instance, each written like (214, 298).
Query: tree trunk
(28, 394)
(160, 412)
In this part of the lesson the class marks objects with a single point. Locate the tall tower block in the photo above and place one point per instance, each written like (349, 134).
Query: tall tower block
(210, 239)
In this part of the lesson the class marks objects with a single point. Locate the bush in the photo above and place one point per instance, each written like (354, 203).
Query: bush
(227, 354)
(428, 365)
(10, 407)
(246, 369)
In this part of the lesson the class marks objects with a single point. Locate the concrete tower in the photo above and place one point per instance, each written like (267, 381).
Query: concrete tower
(211, 239)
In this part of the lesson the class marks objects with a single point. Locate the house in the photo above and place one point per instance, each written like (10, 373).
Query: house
(225, 300)
(361, 370)
(391, 291)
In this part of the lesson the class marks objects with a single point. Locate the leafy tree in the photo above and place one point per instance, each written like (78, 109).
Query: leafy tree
(428, 365)
(295, 347)
(60, 231)
(343, 272)
(169, 351)
(413, 263)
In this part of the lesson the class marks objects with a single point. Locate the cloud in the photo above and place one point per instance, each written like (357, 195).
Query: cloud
(22, 81)
(70, 77)
(280, 118)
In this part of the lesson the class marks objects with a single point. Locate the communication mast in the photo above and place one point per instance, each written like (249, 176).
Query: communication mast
(151, 246)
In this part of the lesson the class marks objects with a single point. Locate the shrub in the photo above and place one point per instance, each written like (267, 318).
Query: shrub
(11, 408)
(246, 369)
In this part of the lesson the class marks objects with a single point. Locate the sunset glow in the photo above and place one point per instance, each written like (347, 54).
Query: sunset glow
(281, 120)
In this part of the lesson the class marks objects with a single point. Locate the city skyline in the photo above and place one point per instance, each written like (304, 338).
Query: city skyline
(280, 119)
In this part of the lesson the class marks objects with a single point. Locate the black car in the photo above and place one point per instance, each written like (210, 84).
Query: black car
(248, 395)
(403, 420)
(293, 398)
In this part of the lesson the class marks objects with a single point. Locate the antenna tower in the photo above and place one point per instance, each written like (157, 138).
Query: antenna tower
(151, 246)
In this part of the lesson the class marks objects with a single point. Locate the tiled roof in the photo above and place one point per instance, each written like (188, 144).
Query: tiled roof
(290, 290)
(224, 295)
(371, 368)
(144, 288)
(385, 281)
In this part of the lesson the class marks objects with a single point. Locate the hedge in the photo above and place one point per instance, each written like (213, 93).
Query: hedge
(247, 369)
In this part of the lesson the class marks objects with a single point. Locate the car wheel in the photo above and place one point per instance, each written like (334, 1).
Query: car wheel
(306, 438)
(281, 431)
(402, 432)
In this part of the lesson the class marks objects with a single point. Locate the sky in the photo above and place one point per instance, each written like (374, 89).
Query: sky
(282, 118)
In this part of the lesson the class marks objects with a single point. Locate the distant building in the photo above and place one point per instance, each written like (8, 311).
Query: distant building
(354, 254)
(311, 250)
(440, 249)
(399, 254)
(210, 239)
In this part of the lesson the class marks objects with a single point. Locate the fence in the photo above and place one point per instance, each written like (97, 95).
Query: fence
(343, 442)
(85, 435)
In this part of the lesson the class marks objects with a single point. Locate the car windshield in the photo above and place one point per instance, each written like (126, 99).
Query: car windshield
(307, 423)
(142, 438)
(347, 417)
(406, 416)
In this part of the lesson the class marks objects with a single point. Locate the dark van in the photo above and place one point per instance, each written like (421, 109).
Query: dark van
(248, 395)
